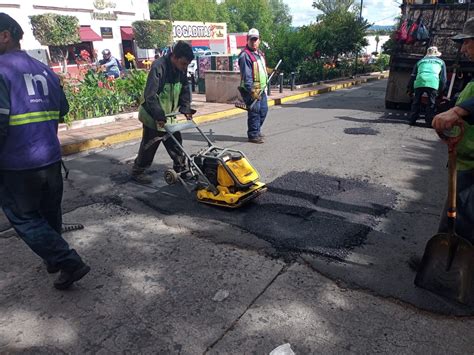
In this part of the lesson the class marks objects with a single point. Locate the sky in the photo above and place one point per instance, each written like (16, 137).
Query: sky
(379, 12)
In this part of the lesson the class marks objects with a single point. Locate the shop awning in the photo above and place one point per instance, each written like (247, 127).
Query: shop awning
(87, 34)
(200, 43)
(127, 33)
(241, 41)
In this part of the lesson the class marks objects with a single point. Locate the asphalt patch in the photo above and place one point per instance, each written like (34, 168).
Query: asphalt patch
(365, 131)
(301, 212)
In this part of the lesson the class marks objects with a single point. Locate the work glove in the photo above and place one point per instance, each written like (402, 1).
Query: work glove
(254, 95)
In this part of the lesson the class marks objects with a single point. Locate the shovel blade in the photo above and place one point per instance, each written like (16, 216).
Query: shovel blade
(449, 273)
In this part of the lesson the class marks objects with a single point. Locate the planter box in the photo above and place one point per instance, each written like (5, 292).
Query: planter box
(221, 86)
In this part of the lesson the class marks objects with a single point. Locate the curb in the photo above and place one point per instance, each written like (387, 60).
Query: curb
(107, 141)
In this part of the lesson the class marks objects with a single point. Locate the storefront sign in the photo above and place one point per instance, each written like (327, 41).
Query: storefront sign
(106, 32)
(104, 16)
(186, 31)
(103, 4)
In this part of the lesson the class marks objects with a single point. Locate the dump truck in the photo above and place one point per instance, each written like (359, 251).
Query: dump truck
(443, 19)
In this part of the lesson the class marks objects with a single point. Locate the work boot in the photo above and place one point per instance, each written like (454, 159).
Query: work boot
(66, 279)
(138, 175)
(51, 269)
(256, 140)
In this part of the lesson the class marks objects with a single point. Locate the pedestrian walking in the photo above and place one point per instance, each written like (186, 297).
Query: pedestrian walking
(428, 76)
(31, 103)
(166, 91)
(254, 77)
(462, 112)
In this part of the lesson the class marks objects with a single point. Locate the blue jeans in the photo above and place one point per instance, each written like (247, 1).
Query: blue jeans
(31, 200)
(257, 116)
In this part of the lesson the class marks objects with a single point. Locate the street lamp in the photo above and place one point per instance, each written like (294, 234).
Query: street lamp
(360, 21)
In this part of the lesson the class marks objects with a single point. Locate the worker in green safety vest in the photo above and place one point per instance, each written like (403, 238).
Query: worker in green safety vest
(462, 112)
(166, 91)
(428, 76)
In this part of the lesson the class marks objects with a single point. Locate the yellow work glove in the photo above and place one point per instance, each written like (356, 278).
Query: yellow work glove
(254, 95)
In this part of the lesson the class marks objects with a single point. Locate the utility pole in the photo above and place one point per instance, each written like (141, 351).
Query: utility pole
(360, 21)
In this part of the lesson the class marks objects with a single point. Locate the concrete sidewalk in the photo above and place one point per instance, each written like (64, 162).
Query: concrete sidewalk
(97, 136)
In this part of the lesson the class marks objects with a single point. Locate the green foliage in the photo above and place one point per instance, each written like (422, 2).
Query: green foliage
(280, 13)
(96, 96)
(329, 6)
(55, 30)
(152, 34)
(160, 9)
(185, 10)
(382, 63)
(293, 46)
(245, 14)
(339, 32)
(58, 31)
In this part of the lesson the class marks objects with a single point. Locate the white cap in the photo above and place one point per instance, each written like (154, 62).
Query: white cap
(253, 33)
(433, 51)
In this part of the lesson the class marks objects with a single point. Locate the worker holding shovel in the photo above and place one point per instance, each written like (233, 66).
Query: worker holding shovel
(253, 71)
(463, 113)
(447, 267)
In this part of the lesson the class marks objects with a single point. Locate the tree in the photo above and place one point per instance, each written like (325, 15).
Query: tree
(160, 9)
(58, 31)
(339, 32)
(377, 41)
(280, 13)
(187, 10)
(329, 6)
(153, 34)
(245, 14)
(293, 46)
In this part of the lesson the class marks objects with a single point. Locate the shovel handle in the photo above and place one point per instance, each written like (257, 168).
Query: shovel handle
(450, 137)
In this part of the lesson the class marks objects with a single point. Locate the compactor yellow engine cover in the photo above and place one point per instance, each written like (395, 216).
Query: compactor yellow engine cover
(241, 168)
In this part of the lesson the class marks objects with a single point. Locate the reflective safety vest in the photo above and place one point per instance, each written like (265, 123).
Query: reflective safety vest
(35, 103)
(168, 95)
(259, 68)
(428, 72)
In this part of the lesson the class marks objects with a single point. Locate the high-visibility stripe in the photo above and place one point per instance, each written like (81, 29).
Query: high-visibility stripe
(34, 114)
(33, 117)
(4, 111)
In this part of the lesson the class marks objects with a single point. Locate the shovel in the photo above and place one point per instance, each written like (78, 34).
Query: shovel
(447, 267)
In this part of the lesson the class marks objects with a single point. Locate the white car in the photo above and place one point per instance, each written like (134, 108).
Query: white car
(192, 69)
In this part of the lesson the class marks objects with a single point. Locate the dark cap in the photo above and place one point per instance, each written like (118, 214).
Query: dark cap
(9, 24)
(467, 32)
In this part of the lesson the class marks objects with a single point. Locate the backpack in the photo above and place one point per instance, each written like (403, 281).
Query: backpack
(422, 34)
(412, 33)
(119, 65)
(402, 33)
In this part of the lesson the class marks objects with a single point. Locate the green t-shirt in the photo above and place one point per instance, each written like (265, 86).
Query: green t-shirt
(465, 148)
(428, 71)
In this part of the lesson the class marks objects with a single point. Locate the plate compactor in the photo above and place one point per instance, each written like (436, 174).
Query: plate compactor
(218, 176)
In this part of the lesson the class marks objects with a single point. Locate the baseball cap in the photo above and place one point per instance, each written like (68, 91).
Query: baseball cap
(253, 33)
(467, 32)
(9, 24)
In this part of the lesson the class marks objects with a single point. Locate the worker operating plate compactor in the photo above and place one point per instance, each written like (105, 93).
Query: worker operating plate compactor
(218, 176)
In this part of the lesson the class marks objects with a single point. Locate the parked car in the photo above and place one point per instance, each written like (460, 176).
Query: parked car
(192, 69)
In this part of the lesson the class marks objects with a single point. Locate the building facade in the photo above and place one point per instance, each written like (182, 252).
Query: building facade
(104, 24)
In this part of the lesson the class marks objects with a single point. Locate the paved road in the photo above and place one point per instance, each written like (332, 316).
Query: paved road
(324, 260)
